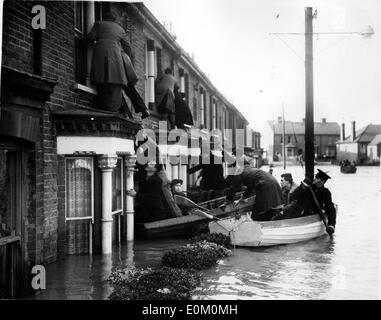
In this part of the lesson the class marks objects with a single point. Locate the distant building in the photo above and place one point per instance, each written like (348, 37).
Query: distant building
(326, 136)
(374, 149)
(358, 146)
(253, 146)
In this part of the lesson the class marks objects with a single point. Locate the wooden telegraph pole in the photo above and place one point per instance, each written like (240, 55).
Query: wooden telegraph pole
(309, 125)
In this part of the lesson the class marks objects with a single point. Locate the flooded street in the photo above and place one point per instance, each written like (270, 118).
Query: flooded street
(346, 267)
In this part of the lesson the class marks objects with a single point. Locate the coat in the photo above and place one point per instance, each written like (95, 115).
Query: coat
(150, 200)
(263, 185)
(108, 64)
(182, 113)
(164, 93)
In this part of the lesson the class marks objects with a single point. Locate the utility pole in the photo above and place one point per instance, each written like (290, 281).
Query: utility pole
(284, 138)
(309, 125)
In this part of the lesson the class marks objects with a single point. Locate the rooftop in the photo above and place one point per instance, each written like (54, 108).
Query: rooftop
(298, 128)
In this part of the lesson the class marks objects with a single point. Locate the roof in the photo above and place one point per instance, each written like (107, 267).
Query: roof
(298, 128)
(376, 140)
(366, 134)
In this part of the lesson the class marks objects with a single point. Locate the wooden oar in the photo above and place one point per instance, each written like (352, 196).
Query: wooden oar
(320, 211)
(184, 201)
(206, 215)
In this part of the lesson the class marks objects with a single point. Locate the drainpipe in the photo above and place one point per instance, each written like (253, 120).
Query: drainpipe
(151, 73)
(107, 163)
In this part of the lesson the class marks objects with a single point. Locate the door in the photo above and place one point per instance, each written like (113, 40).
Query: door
(10, 221)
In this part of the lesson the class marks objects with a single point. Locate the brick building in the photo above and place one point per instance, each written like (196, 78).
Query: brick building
(65, 165)
(326, 134)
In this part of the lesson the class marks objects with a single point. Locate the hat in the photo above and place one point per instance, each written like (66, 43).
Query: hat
(176, 181)
(322, 175)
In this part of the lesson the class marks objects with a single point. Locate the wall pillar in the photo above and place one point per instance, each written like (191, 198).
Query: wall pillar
(202, 107)
(90, 20)
(184, 176)
(129, 164)
(107, 163)
(182, 80)
(175, 171)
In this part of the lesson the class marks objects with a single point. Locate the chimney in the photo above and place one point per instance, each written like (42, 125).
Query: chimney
(342, 131)
(324, 120)
(353, 130)
(279, 119)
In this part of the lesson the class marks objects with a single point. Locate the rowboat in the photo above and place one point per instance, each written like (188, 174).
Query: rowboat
(348, 169)
(249, 233)
(182, 226)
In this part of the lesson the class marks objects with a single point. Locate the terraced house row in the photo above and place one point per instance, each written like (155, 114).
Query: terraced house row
(64, 164)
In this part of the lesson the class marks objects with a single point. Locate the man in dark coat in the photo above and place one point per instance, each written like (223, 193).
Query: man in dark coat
(182, 113)
(324, 197)
(108, 68)
(212, 174)
(264, 186)
(111, 69)
(165, 96)
(149, 198)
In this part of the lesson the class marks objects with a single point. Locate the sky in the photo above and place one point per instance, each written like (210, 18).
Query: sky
(259, 72)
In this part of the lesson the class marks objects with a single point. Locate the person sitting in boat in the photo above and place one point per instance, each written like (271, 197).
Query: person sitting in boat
(176, 187)
(263, 185)
(324, 198)
(288, 186)
(302, 203)
(149, 198)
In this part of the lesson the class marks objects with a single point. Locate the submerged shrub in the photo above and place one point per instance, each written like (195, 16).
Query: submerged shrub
(218, 238)
(200, 229)
(153, 284)
(197, 255)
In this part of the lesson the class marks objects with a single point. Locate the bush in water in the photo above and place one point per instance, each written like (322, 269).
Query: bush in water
(218, 238)
(153, 284)
(198, 255)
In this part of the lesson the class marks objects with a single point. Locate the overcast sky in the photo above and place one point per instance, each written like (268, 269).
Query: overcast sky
(258, 72)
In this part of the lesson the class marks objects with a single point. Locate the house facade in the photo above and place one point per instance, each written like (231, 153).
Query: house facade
(326, 134)
(65, 165)
(361, 145)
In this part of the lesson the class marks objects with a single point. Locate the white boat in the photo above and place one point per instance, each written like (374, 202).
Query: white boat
(249, 233)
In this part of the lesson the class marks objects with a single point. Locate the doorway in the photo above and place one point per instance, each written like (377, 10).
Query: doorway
(10, 221)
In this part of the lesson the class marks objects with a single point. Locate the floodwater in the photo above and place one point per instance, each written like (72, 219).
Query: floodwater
(347, 267)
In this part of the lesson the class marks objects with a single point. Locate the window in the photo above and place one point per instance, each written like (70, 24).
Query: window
(79, 188)
(117, 195)
(289, 139)
(80, 47)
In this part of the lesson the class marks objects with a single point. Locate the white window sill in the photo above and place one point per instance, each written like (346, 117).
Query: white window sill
(81, 87)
